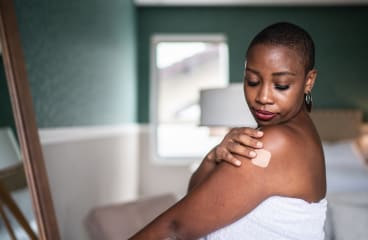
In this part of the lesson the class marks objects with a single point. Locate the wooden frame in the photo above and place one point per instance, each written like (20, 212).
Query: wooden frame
(21, 101)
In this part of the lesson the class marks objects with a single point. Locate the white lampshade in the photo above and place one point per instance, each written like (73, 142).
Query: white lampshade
(225, 107)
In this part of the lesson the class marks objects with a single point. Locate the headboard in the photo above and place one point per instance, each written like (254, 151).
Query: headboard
(337, 124)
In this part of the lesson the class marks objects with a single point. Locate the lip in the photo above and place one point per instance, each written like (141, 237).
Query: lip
(264, 115)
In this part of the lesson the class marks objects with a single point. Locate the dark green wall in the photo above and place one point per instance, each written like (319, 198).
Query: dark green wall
(340, 34)
(81, 60)
(6, 112)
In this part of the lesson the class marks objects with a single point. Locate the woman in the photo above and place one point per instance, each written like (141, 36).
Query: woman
(282, 199)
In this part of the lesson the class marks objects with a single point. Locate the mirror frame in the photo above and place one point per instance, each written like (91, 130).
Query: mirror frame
(25, 122)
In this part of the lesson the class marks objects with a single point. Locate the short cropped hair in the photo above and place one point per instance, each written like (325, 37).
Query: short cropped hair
(291, 36)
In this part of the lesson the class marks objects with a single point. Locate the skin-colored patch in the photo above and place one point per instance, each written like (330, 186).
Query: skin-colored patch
(263, 158)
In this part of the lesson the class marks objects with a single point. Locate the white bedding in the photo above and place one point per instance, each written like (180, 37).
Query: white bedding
(345, 167)
(347, 192)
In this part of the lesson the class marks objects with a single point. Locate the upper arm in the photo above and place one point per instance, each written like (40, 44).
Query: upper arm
(225, 196)
(229, 193)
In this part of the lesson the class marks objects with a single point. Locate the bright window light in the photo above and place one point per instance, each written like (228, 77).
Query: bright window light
(169, 53)
(181, 67)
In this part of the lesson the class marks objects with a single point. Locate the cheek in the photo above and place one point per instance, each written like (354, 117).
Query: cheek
(249, 94)
(249, 90)
(290, 99)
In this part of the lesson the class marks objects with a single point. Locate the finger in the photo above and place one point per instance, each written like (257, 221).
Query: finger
(231, 159)
(241, 150)
(247, 141)
(224, 155)
(252, 132)
(241, 158)
(250, 142)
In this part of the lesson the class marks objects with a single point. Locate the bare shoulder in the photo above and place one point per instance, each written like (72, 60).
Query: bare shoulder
(296, 165)
(283, 142)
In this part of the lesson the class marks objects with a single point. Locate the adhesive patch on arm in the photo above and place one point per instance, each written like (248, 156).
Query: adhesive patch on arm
(263, 158)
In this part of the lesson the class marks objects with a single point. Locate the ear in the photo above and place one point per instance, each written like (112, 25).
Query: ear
(309, 80)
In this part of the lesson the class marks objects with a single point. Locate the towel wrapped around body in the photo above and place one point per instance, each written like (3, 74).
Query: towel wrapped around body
(281, 218)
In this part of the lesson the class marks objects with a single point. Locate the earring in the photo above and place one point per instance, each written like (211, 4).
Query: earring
(308, 101)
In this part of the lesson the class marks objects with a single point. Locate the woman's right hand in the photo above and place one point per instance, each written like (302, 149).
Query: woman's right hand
(238, 143)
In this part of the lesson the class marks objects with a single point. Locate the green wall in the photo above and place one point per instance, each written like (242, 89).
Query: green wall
(81, 55)
(340, 34)
(81, 60)
(6, 119)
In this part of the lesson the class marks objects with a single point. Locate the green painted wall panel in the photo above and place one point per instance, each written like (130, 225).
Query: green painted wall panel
(340, 34)
(81, 60)
(6, 119)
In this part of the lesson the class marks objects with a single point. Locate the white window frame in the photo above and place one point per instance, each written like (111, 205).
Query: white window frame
(154, 84)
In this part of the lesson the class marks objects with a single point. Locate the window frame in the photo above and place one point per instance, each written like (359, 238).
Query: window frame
(154, 87)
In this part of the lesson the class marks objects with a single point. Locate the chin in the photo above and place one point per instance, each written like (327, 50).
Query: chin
(265, 123)
(268, 123)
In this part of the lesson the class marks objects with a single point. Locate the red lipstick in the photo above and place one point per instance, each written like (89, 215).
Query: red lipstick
(264, 115)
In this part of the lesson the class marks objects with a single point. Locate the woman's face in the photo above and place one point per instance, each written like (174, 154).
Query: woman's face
(275, 83)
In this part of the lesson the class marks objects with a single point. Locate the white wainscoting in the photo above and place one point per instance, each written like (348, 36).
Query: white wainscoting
(157, 178)
(88, 167)
(94, 166)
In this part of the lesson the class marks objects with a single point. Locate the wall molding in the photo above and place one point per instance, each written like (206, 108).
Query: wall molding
(77, 133)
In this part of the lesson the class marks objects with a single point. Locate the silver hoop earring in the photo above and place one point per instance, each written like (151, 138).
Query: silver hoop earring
(308, 101)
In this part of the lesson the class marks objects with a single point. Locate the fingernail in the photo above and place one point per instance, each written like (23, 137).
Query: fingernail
(252, 154)
(259, 133)
(259, 144)
(237, 163)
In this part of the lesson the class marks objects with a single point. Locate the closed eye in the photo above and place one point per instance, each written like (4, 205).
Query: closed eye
(281, 87)
(252, 83)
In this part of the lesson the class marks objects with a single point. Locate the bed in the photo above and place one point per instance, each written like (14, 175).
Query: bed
(345, 148)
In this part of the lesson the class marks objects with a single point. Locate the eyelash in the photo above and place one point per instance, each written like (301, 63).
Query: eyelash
(277, 86)
(281, 87)
(252, 83)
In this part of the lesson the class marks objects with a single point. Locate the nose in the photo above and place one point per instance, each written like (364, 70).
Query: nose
(264, 95)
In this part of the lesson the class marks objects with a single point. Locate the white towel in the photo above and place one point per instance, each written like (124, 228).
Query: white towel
(278, 218)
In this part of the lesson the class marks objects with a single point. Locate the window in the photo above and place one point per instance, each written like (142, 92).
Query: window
(182, 65)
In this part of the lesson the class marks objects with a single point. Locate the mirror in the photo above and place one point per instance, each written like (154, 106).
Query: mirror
(25, 124)
(16, 212)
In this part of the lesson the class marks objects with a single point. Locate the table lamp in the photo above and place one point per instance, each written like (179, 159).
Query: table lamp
(225, 107)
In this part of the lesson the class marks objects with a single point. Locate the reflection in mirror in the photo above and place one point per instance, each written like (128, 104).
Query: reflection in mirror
(27, 139)
(17, 219)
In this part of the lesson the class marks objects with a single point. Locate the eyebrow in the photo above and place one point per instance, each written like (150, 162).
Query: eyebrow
(283, 73)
